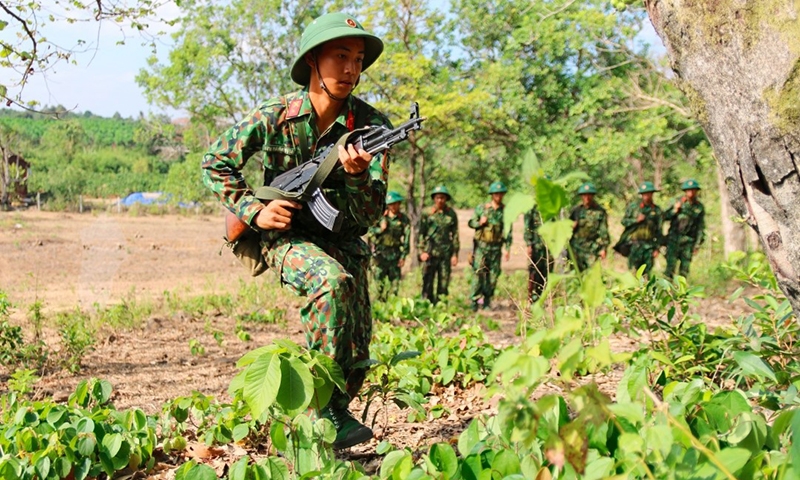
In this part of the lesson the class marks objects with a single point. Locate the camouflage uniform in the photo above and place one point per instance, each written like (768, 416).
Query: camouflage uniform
(540, 261)
(644, 240)
(590, 234)
(329, 270)
(487, 250)
(438, 237)
(390, 243)
(686, 232)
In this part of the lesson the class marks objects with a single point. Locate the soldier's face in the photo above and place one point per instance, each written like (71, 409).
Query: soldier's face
(647, 198)
(439, 199)
(586, 198)
(691, 194)
(498, 197)
(340, 62)
(393, 207)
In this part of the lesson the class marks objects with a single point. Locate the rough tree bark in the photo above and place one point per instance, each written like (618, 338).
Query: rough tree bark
(732, 232)
(738, 62)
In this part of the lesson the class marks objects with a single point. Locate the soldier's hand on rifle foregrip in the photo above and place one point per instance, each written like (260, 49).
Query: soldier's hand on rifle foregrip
(354, 162)
(277, 215)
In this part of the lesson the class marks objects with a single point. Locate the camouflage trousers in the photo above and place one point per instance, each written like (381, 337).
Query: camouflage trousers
(436, 269)
(584, 253)
(486, 266)
(642, 254)
(679, 251)
(538, 269)
(337, 315)
(386, 273)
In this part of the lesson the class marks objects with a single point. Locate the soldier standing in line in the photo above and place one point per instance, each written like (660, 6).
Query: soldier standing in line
(642, 222)
(330, 271)
(590, 229)
(540, 263)
(489, 240)
(389, 241)
(438, 245)
(686, 229)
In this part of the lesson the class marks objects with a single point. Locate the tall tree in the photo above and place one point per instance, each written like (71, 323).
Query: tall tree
(738, 61)
(29, 51)
(228, 58)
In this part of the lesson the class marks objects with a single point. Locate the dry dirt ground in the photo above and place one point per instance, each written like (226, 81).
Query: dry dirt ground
(68, 261)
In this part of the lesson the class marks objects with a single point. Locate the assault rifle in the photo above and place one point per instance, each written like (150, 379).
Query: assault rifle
(302, 183)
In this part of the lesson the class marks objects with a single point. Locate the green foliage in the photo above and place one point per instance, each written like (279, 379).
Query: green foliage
(77, 339)
(82, 439)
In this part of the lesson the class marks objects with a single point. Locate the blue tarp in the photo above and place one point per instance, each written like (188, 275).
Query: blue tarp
(152, 198)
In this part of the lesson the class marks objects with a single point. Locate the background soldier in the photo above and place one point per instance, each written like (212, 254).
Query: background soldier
(488, 244)
(540, 263)
(589, 230)
(389, 240)
(686, 229)
(438, 244)
(642, 233)
(330, 271)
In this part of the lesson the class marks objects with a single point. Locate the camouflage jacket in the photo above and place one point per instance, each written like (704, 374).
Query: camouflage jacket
(490, 234)
(533, 221)
(591, 226)
(438, 233)
(648, 229)
(688, 225)
(391, 236)
(271, 130)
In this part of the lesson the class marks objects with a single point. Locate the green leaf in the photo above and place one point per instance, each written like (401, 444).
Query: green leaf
(593, 289)
(239, 469)
(86, 444)
(240, 432)
(551, 198)
(404, 356)
(443, 457)
(506, 463)
(753, 365)
(278, 436)
(733, 459)
(42, 467)
(469, 439)
(794, 449)
(297, 386)
(391, 460)
(556, 234)
(111, 444)
(516, 204)
(101, 391)
(262, 382)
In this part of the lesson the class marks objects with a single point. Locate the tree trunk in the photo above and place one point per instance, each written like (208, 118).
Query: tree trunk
(738, 62)
(732, 232)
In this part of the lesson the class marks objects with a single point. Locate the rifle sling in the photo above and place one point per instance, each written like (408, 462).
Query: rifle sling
(325, 167)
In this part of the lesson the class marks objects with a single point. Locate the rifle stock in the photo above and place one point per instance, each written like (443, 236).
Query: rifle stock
(234, 227)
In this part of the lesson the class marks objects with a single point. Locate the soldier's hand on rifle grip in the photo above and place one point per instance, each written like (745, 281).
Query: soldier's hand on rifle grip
(483, 220)
(603, 254)
(454, 260)
(640, 218)
(423, 257)
(276, 215)
(354, 162)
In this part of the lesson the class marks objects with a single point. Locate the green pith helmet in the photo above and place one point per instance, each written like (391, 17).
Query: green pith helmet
(647, 187)
(497, 187)
(441, 189)
(393, 197)
(690, 184)
(330, 27)
(587, 187)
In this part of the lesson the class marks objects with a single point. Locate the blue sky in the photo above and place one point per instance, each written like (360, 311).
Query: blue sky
(103, 80)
